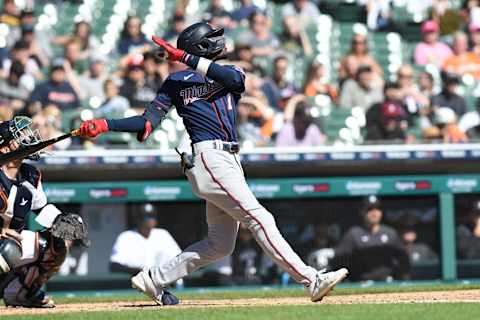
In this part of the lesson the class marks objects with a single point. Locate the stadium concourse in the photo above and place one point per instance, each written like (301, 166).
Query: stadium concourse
(357, 116)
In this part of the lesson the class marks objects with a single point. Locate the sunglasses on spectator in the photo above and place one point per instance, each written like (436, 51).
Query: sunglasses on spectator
(403, 75)
(359, 42)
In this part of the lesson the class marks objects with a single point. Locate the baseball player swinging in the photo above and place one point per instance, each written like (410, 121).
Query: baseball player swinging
(206, 97)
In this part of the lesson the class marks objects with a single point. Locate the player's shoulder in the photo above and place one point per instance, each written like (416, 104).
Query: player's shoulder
(128, 235)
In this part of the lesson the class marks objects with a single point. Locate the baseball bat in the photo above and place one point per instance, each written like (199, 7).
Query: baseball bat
(23, 152)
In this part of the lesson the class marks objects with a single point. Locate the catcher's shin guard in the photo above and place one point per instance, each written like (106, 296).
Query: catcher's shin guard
(10, 255)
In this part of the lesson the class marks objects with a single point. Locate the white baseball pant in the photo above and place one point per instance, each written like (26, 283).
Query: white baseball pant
(218, 178)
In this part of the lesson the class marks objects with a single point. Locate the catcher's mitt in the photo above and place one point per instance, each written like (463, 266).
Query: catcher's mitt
(70, 226)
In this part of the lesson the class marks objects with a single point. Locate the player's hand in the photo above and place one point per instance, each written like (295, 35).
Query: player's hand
(171, 52)
(94, 127)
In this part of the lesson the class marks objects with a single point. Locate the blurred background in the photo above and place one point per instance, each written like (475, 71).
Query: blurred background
(359, 130)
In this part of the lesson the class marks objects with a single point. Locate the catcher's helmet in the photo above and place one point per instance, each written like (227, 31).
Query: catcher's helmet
(202, 39)
(20, 129)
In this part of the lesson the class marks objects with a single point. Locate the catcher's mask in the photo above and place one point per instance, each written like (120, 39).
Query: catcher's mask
(20, 130)
(70, 226)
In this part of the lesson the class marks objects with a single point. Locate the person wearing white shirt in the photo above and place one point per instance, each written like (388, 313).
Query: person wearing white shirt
(145, 246)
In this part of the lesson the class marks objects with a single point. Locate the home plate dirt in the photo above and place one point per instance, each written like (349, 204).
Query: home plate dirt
(377, 298)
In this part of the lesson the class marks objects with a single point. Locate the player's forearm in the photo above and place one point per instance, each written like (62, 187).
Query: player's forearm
(131, 124)
(230, 78)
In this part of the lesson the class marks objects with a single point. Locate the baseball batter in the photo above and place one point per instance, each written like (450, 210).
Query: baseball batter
(206, 97)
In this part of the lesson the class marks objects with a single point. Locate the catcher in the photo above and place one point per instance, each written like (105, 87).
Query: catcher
(28, 259)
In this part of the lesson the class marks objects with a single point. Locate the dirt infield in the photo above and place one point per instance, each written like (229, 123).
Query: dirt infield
(378, 298)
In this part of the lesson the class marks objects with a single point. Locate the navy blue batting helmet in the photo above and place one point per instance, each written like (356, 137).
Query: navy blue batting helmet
(202, 39)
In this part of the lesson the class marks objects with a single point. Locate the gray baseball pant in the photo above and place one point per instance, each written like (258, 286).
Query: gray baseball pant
(218, 178)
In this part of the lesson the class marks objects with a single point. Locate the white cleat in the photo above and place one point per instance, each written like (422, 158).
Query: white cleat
(143, 283)
(324, 283)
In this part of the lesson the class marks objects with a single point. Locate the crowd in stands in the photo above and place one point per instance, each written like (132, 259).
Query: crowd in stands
(58, 79)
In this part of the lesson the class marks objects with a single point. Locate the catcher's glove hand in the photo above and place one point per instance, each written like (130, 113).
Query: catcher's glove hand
(70, 226)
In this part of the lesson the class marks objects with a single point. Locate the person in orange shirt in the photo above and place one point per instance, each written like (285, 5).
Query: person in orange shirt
(462, 62)
(315, 83)
(446, 121)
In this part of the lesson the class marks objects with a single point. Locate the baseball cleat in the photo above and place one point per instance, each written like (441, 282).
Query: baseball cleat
(325, 282)
(40, 300)
(144, 283)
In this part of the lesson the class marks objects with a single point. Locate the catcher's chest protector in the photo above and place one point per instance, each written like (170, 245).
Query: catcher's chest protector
(19, 197)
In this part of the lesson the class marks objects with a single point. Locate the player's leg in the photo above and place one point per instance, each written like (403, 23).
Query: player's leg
(226, 186)
(220, 241)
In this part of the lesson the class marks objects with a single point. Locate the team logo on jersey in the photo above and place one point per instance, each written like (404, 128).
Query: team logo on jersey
(203, 91)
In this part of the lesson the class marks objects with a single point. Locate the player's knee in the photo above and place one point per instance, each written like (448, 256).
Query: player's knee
(223, 248)
(10, 255)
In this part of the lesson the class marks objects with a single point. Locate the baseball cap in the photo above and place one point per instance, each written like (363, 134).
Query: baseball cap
(57, 63)
(429, 26)
(392, 110)
(370, 202)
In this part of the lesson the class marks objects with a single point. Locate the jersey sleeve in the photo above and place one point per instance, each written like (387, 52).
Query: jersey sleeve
(159, 107)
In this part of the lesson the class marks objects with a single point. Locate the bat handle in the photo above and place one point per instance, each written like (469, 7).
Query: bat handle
(75, 133)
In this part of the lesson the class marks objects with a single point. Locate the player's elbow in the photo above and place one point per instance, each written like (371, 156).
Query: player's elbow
(236, 84)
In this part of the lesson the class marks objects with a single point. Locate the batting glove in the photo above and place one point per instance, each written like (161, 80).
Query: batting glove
(172, 53)
(94, 127)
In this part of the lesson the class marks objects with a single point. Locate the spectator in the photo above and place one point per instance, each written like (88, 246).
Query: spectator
(40, 44)
(56, 90)
(35, 50)
(303, 12)
(474, 38)
(243, 57)
(319, 249)
(72, 54)
(375, 250)
(448, 97)
(417, 251)
(49, 122)
(379, 14)
(91, 82)
(144, 246)
(362, 91)
(462, 62)
(177, 26)
(413, 99)
(259, 37)
(317, 82)
(278, 89)
(430, 50)
(446, 121)
(132, 38)
(299, 130)
(388, 120)
(16, 88)
(10, 15)
(113, 103)
(82, 33)
(135, 87)
(154, 70)
(217, 15)
(358, 56)
(255, 121)
(21, 52)
(294, 38)
(426, 84)
(246, 9)
(468, 235)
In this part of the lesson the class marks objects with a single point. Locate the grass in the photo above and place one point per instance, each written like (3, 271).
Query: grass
(458, 311)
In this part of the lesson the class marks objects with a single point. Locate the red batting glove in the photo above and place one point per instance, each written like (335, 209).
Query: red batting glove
(173, 53)
(94, 127)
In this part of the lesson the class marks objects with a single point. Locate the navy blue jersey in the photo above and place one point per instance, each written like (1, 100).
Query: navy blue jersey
(208, 109)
